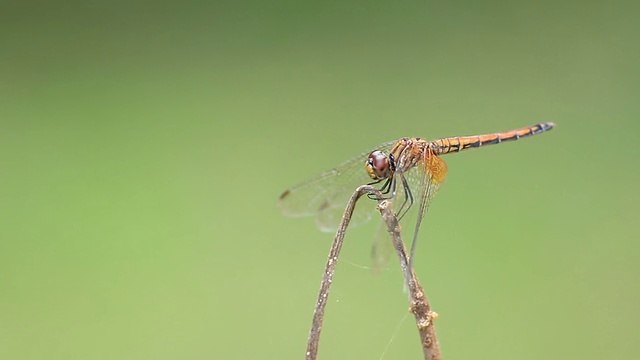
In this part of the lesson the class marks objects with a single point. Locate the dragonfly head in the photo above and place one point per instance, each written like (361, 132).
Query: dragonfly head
(379, 166)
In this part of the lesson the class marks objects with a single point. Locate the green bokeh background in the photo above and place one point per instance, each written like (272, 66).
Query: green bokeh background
(143, 147)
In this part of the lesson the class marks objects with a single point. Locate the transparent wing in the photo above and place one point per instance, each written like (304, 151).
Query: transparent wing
(427, 176)
(325, 196)
(382, 249)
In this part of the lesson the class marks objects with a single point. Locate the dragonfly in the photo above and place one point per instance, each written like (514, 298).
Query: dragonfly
(407, 170)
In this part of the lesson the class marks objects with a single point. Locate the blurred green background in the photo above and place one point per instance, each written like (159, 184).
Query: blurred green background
(143, 147)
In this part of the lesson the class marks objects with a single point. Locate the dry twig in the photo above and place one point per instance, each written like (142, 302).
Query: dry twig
(419, 304)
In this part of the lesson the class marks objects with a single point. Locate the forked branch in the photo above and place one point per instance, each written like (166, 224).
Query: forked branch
(419, 304)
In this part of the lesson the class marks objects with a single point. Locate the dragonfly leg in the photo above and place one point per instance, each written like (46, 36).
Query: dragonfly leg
(408, 197)
(385, 189)
(372, 196)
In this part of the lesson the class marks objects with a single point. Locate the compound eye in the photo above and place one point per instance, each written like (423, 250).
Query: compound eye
(377, 165)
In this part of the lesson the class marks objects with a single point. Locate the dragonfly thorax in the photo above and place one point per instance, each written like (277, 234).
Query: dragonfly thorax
(379, 166)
